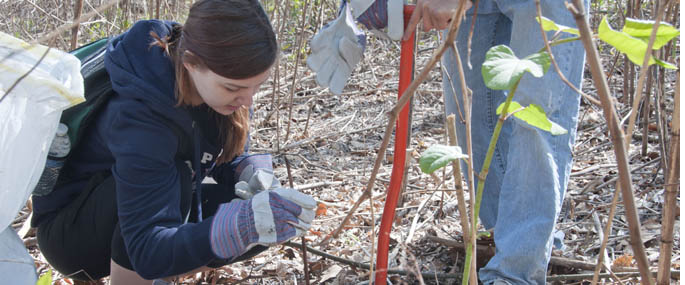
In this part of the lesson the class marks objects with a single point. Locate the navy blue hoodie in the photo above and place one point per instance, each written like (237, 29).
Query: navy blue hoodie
(132, 138)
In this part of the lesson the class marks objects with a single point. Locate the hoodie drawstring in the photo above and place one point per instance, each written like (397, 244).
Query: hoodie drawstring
(198, 171)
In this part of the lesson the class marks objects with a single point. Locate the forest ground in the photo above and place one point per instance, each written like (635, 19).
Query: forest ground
(329, 143)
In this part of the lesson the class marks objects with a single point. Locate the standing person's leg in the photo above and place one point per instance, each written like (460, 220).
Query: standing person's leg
(539, 164)
(491, 28)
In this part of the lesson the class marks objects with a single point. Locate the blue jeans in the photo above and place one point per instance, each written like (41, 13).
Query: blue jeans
(527, 179)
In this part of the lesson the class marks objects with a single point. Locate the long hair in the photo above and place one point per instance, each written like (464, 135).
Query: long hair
(232, 38)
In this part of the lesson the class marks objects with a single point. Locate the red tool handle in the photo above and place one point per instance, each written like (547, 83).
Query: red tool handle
(406, 76)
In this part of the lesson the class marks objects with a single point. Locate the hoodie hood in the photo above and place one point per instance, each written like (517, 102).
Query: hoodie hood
(143, 71)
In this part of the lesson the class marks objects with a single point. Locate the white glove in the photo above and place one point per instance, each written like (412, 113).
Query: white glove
(336, 50)
(252, 182)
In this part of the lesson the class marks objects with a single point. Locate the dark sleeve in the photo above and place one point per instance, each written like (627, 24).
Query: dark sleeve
(227, 173)
(159, 244)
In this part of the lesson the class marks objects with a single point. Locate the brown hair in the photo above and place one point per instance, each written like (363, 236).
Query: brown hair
(232, 38)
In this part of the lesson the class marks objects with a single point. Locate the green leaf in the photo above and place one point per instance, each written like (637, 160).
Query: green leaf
(46, 279)
(642, 29)
(502, 69)
(549, 25)
(437, 156)
(633, 47)
(665, 64)
(534, 115)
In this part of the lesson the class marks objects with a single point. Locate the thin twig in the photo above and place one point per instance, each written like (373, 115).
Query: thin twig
(415, 220)
(312, 103)
(157, 6)
(304, 241)
(645, 113)
(603, 257)
(575, 277)
(613, 179)
(466, 93)
(282, 15)
(75, 23)
(605, 239)
(372, 237)
(466, 102)
(469, 239)
(52, 35)
(304, 260)
(473, 25)
(298, 52)
(290, 175)
(659, 114)
(74, 31)
(670, 194)
(415, 269)
(45, 12)
(366, 265)
(616, 133)
(315, 139)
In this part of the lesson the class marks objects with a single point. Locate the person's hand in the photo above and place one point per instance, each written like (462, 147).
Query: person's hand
(436, 14)
(269, 218)
(336, 50)
(255, 174)
(253, 181)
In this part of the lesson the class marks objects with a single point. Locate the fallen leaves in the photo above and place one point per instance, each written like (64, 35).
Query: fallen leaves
(321, 210)
(625, 260)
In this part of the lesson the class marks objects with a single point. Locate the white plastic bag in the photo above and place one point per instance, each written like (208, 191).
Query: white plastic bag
(29, 116)
(16, 265)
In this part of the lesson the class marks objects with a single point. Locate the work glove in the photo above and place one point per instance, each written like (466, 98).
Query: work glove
(255, 174)
(271, 217)
(336, 50)
(339, 46)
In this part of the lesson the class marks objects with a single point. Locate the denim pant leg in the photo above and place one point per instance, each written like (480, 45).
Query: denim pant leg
(491, 28)
(528, 186)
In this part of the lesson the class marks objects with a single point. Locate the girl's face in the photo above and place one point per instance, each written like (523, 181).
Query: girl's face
(224, 95)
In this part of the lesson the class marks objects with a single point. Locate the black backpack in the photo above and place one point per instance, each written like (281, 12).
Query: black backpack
(98, 90)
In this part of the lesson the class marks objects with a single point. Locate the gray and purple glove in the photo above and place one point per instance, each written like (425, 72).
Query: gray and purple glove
(269, 218)
(255, 174)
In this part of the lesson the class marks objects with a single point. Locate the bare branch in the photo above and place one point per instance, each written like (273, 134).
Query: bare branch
(616, 133)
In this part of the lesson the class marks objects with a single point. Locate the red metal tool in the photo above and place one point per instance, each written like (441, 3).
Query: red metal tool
(398, 162)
